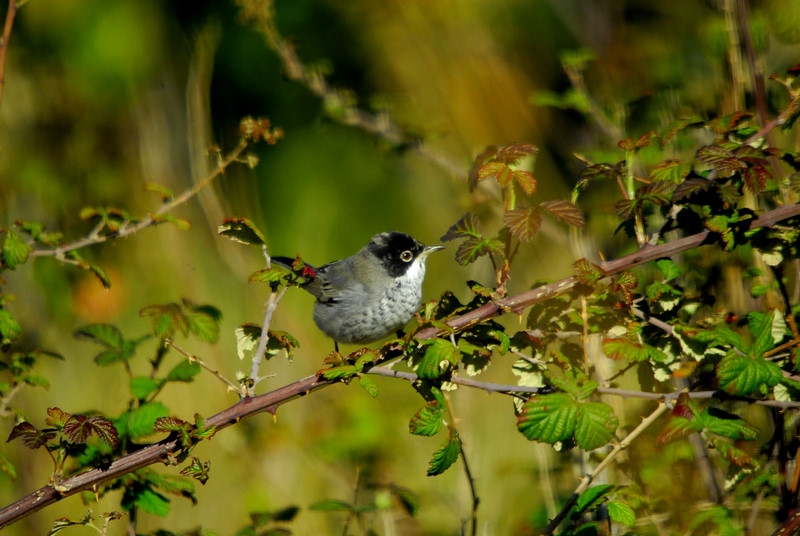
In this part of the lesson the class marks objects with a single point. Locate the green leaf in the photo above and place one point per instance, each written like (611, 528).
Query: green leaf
(734, 455)
(589, 498)
(768, 329)
(727, 424)
(369, 386)
(184, 371)
(332, 506)
(100, 274)
(549, 418)
(9, 328)
(440, 357)
(142, 386)
(472, 248)
(151, 502)
(15, 251)
(741, 375)
(427, 421)
(467, 227)
(668, 269)
(595, 426)
(446, 456)
(140, 421)
(621, 512)
(106, 334)
(242, 230)
(623, 348)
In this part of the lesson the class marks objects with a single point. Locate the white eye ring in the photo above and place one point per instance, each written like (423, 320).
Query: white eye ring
(406, 256)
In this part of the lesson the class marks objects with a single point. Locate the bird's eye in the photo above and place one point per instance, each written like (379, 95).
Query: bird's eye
(406, 256)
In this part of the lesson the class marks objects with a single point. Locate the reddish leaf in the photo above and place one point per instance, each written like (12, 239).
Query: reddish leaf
(564, 211)
(467, 226)
(690, 187)
(511, 154)
(725, 124)
(523, 223)
(488, 154)
(600, 171)
(586, 271)
(526, 181)
(755, 178)
(498, 171)
(57, 417)
(32, 437)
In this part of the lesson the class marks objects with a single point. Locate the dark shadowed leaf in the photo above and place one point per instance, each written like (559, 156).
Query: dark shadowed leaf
(242, 230)
(467, 226)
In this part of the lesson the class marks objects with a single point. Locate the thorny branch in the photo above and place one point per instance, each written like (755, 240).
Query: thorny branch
(269, 402)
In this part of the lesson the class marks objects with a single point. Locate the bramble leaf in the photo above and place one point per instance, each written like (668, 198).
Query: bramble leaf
(446, 456)
(742, 375)
(440, 357)
(468, 226)
(14, 251)
(523, 223)
(548, 418)
(243, 231)
(565, 211)
(427, 421)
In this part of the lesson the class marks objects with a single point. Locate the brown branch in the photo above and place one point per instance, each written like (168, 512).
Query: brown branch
(151, 219)
(10, 14)
(269, 402)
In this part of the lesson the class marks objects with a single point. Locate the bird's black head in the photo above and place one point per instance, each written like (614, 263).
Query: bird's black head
(396, 251)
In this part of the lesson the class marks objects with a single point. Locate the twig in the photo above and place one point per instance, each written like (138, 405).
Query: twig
(467, 472)
(587, 480)
(258, 357)
(10, 14)
(269, 402)
(194, 359)
(95, 237)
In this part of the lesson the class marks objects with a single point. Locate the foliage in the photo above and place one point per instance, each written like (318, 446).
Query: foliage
(704, 193)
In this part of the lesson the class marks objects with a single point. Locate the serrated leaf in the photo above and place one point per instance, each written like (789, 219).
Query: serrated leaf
(727, 425)
(678, 125)
(523, 223)
(268, 275)
(526, 181)
(727, 123)
(671, 171)
(446, 456)
(565, 211)
(9, 328)
(14, 251)
(599, 172)
(468, 226)
(142, 386)
(247, 338)
(185, 371)
(197, 470)
(690, 187)
(548, 418)
(619, 348)
(596, 425)
(736, 456)
(151, 502)
(106, 334)
(473, 248)
(741, 375)
(427, 421)
(204, 326)
(440, 357)
(668, 269)
(242, 230)
(340, 373)
(586, 271)
(57, 417)
(32, 437)
(589, 498)
(139, 422)
(499, 171)
(767, 329)
(621, 512)
(79, 428)
(369, 386)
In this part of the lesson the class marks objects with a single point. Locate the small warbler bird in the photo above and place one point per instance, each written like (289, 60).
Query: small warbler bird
(370, 295)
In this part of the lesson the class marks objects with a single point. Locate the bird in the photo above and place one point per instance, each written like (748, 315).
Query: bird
(369, 295)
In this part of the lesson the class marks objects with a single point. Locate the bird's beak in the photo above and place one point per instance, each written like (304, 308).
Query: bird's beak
(427, 250)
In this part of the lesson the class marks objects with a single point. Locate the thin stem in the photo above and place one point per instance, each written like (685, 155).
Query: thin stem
(589, 478)
(10, 14)
(467, 472)
(95, 238)
(194, 359)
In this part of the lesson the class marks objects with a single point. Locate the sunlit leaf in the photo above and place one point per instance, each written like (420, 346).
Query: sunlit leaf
(14, 251)
(523, 223)
(741, 375)
(467, 226)
(446, 456)
(548, 418)
(184, 371)
(595, 426)
(565, 211)
(242, 230)
(440, 357)
(621, 512)
(427, 421)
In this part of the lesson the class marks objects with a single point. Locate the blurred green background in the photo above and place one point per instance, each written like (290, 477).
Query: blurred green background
(104, 96)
